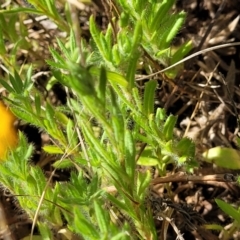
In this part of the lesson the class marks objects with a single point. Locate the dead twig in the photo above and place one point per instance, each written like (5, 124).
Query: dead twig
(183, 177)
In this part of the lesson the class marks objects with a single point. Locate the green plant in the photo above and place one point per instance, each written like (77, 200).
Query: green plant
(145, 29)
(231, 212)
(218, 156)
(104, 133)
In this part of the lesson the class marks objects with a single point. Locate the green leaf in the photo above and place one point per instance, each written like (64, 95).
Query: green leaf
(83, 226)
(109, 36)
(121, 236)
(16, 82)
(162, 11)
(162, 52)
(81, 80)
(174, 29)
(72, 42)
(169, 127)
(176, 56)
(7, 86)
(117, 120)
(149, 93)
(37, 104)
(131, 70)
(71, 135)
(57, 57)
(223, 157)
(160, 116)
(116, 202)
(229, 210)
(117, 174)
(113, 77)
(106, 51)
(147, 161)
(95, 33)
(101, 90)
(52, 149)
(61, 117)
(2, 44)
(63, 164)
(50, 115)
(44, 231)
(186, 147)
(137, 36)
(214, 227)
(51, 7)
(115, 55)
(130, 152)
(182, 51)
(28, 83)
(89, 134)
(63, 49)
(102, 218)
(124, 20)
(143, 181)
(19, 10)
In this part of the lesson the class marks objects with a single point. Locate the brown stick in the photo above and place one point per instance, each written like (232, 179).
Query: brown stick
(183, 177)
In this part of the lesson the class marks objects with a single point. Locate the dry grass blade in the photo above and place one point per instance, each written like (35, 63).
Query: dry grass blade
(188, 58)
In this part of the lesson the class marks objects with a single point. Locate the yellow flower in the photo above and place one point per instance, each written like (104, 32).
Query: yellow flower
(8, 132)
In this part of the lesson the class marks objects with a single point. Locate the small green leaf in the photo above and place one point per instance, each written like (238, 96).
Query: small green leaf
(162, 52)
(160, 117)
(95, 33)
(186, 147)
(61, 117)
(169, 127)
(113, 77)
(161, 12)
(71, 135)
(83, 226)
(28, 83)
(175, 28)
(124, 20)
(63, 49)
(53, 149)
(19, 10)
(143, 181)
(148, 161)
(131, 71)
(116, 202)
(57, 57)
(129, 154)
(63, 164)
(149, 93)
(106, 50)
(101, 90)
(223, 157)
(7, 86)
(102, 219)
(44, 231)
(182, 51)
(81, 80)
(137, 36)
(229, 210)
(109, 36)
(2, 44)
(51, 7)
(214, 227)
(115, 55)
(37, 104)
